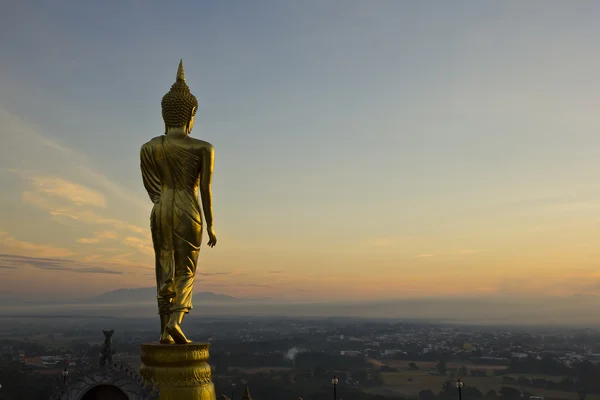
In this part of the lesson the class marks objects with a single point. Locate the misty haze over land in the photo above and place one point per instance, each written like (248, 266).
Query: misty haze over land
(573, 310)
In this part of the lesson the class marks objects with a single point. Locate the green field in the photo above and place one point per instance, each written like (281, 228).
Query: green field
(409, 382)
(536, 376)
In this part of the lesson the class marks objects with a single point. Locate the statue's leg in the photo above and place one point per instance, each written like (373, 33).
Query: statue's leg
(164, 297)
(164, 312)
(186, 258)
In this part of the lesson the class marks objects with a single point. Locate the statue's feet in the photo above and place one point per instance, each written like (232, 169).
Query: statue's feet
(177, 334)
(165, 338)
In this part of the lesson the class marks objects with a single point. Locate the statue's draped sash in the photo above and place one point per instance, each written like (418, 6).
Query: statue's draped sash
(171, 175)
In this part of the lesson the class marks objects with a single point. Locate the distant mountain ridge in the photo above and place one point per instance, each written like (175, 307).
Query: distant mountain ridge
(122, 296)
(141, 295)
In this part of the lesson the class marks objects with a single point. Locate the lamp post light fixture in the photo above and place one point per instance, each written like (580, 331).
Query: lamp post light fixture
(459, 386)
(334, 382)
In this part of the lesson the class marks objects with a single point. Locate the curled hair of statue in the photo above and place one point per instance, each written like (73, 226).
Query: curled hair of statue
(179, 105)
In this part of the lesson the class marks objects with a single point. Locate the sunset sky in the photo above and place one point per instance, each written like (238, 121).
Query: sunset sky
(364, 149)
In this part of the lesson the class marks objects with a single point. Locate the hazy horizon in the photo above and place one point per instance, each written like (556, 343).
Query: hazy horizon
(458, 312)
(363, 152)
(148, 296)
(580, 311)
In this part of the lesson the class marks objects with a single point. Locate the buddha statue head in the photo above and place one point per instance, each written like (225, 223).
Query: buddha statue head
(179, 106)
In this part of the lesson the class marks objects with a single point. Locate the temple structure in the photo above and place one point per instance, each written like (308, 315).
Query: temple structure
(109, 379)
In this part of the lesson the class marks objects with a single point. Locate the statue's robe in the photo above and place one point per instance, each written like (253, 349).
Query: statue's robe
(171, 168)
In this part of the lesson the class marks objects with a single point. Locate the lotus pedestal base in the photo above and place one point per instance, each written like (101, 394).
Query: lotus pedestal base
(181, 371)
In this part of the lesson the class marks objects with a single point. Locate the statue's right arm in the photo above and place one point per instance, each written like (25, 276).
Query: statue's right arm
(150, 174)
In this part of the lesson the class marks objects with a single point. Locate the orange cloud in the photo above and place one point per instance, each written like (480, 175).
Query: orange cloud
(98, 237)
(29, 147)
(74, 202)
(468, 251)
(11, 244)
(139, 244)
(88, 240)
(74, 193)
(65, 209)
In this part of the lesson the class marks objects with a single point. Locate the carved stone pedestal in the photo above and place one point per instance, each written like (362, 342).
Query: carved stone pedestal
(181, 371)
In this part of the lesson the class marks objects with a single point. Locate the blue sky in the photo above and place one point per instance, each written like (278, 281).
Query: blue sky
(388, 146)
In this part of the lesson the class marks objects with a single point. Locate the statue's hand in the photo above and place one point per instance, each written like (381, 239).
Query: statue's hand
(212, 237)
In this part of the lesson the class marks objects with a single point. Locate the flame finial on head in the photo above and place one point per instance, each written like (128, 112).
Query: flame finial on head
(180, 72)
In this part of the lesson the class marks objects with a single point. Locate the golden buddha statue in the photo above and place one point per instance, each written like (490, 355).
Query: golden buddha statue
(175, 167)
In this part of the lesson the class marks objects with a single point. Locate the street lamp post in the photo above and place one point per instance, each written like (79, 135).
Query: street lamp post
(334, 382)
(459, 386)
(65, 375)
(233, 391)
